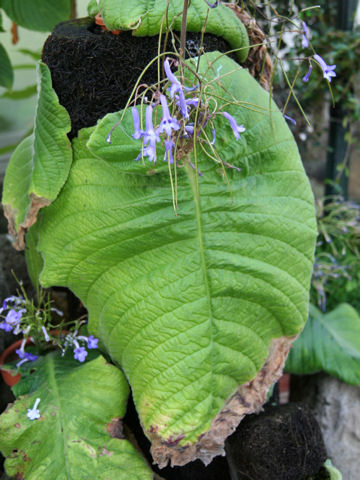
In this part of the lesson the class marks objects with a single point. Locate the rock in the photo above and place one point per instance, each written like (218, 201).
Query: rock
(284, 442)
(336, 406)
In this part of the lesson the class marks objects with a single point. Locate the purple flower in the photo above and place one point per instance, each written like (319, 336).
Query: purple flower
(168, 123)
(12, 299)
(13, 317)
(175, 84)
(214, 137)
(189, 130)
(150, 137)
(328, 70)
(305, 40)
(47, 338)
(169, 145)
(5, 326)
(290, 119)
(34, 413)
(306, 77)
(181, 103)
(92, 342)
(176, 88)
(237, 129)
(193, 102)
(137, 133)
(80, 354)
(24, 356)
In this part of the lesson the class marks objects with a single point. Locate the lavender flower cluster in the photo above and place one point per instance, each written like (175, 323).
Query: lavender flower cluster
(17, 320)
(179, 124)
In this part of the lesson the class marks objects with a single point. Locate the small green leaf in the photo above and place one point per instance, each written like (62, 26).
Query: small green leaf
(79, 406)
(6, 70)
(329, 342)
(38, 167)
(146, 17)
(41, 15)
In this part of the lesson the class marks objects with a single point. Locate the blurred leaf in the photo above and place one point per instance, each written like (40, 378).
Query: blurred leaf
(25, 66)
(35, 55)
(1, 23)
(41, 15)
(11, 147)
(6, 71)
(20, 94)
(329, 342)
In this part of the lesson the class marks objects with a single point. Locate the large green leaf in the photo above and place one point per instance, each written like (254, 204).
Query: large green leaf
(41, 15)
(187, 304)
(6, 70)
(146, 17)
(40, 164)
(329, 342)
(72, 439)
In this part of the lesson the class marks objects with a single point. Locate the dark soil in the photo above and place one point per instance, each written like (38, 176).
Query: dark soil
(94, 72)
(284, 442)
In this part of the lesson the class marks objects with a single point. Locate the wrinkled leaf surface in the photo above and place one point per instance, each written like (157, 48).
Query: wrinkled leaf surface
(40, 164)
(146, 18)
(189, 304)
(71, 439)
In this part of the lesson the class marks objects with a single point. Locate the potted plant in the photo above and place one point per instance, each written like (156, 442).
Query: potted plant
(185, 224)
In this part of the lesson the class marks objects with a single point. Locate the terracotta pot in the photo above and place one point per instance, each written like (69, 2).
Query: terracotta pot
(5, 357)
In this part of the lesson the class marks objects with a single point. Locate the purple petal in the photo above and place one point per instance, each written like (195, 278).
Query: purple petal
(169, 73)
(92, 342)
(305, 41)
(80, 354)
(137, 132)
(328, 70)
(13, 317)
(169, 145)
(306, 77)
(237, 129)
(5, 326)
(290, 119)
(168, 123)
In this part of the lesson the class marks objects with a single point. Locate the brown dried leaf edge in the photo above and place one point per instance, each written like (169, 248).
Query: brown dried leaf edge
(247, 399)
(10, 213)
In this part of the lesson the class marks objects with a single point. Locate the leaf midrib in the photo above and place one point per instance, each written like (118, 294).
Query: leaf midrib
(53, 383)
(193, 180)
